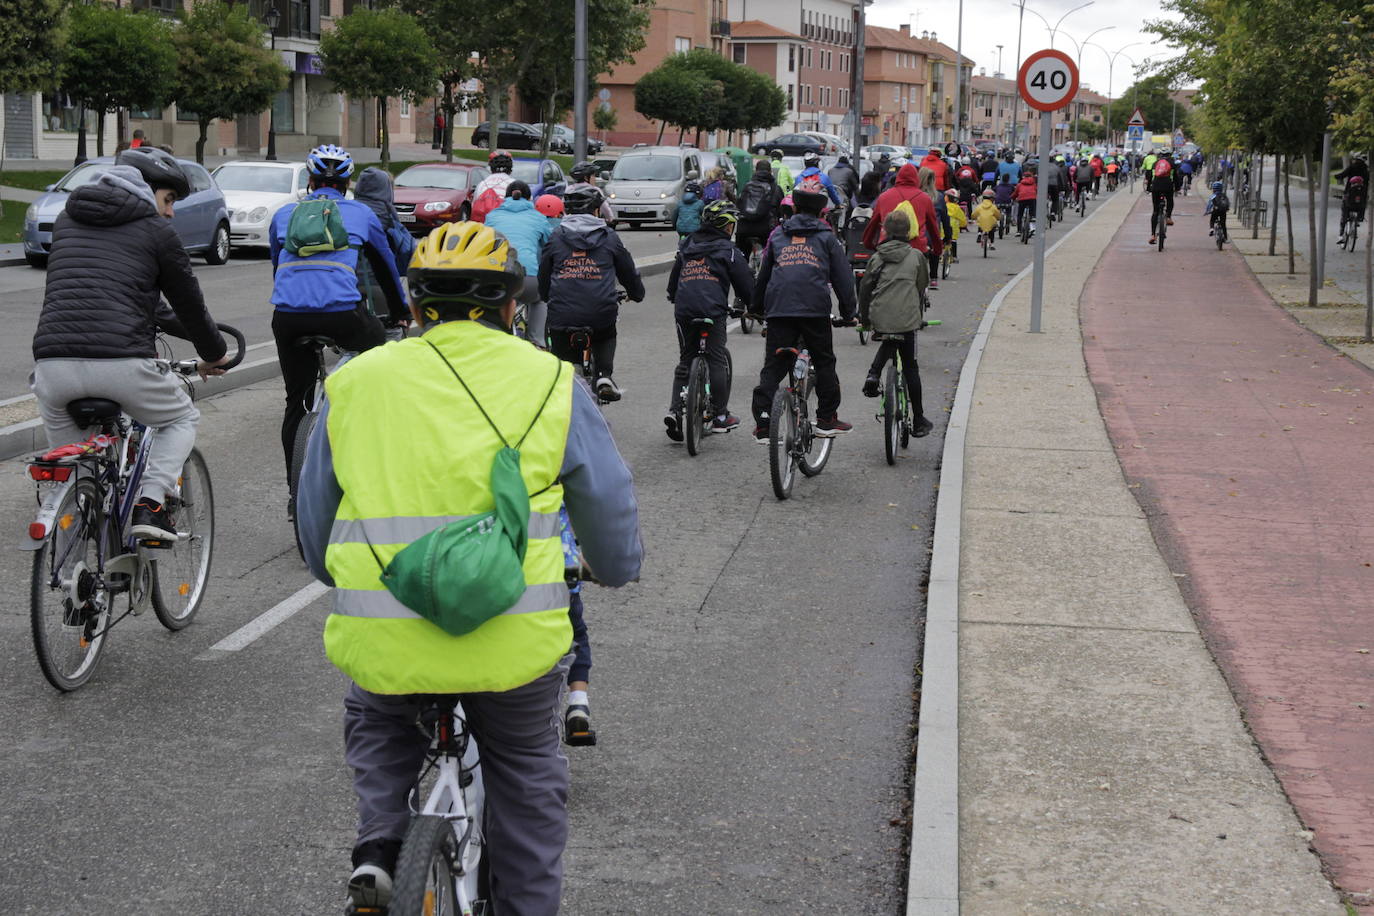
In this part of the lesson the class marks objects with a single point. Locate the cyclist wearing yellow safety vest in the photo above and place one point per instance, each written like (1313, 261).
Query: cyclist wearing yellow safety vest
(404, 448)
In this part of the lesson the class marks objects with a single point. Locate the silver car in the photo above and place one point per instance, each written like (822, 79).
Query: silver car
(202, 219)
(646, 183)
(254, 191)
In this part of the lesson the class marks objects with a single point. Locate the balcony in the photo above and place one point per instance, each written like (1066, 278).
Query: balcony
(720, 28)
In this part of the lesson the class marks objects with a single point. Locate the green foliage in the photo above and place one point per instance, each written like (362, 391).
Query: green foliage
(30, 40)
(604, 119)
(1151, 95)
(1352, 83)
(223, 68)
(1089, 131)
(702, 90)
(118, 58)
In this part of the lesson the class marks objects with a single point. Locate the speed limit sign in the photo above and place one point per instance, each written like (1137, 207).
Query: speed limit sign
(1047, 80)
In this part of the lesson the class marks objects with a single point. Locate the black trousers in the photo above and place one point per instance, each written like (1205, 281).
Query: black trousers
(1162, 206)
(812, 334)
(354, 331)
(603, 349)
(904, 347)
(715, 359)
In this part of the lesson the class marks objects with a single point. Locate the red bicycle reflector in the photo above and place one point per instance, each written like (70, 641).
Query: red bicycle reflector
(47, 472)
(37, 531)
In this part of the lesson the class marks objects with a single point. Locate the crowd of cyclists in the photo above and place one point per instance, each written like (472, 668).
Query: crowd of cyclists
(439, 425)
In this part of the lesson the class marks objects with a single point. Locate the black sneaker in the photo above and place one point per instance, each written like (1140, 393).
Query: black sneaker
(832, 426)
(674, 426)
(923, 428)
(373, 864)
(152, 522)
(723, 423)
(871, 386)
(761, 434)
(577, 727)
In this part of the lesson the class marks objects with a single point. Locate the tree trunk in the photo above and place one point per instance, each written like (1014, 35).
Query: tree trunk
(1368, 281)
(1274, 210)
(121, 125)
(446, 141)
(496, 113)
(1259, 191)
(681, 132)
(546, 135)
(204, 124)
(662, 125)
(80, 135)
(1312, 253)
(386, 134)
(100, 134)
(1288, 210)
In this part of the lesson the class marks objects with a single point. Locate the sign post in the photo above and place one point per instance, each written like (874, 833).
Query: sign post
(1046, 81)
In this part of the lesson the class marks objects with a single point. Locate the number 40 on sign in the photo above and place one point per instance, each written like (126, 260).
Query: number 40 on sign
(1047, 80)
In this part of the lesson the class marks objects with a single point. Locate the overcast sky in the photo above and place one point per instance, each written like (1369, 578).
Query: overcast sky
(988, 23)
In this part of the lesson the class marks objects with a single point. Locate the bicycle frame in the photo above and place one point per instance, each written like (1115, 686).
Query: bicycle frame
(458, 778)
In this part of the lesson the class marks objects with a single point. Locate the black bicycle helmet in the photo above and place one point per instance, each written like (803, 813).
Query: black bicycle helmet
(583, 171)
(500, 161)
(159, 169)
(721, 215)
(582, 200)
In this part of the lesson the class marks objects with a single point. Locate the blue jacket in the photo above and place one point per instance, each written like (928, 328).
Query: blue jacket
(689, 213)
(825, 180)
(708, 263)
(1009, 168)
(802, 263)
(525, 228)
(328, 282)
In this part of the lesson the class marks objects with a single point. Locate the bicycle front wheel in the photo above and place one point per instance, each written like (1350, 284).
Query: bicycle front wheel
(303, 431)
(69, 606)
(425, 884)
(892, 419)
(181, 572)
(782, 440)
(694, 405)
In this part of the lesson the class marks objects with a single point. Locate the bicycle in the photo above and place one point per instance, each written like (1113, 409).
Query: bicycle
(945, 257)
(1350, 229)
(697, 406)
(792, 439)
(1082, 204)
(1023, 225)
(319, 344)
(985, 239)
(1219, 229)
(1159, 222)
(440, 868)
(85, 556)
(1004, 221)
(746, 323)
(858, 262)
(898, 422)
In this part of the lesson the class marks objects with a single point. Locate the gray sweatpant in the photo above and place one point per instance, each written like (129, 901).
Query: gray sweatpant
(523, 770)
(536, 311)
(147, 391)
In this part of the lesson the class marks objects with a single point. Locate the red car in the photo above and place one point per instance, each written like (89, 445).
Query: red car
(436, 192)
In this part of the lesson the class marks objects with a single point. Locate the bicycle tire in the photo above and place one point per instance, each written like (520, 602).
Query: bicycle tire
(1161, 237)
(891, 416)
(1221, 237)
(985, 244)
(863, 336)
(424, 883)
(745, 324)
(693, 408)
(181, 573)
(782, 436)
(303, 430)
(812, 461)
(66, 669)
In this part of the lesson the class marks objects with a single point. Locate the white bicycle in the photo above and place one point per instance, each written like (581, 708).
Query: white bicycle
(440, 869)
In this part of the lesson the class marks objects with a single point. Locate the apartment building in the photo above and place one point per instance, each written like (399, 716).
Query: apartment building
(940, 59)
(990, 118)
(895, 83)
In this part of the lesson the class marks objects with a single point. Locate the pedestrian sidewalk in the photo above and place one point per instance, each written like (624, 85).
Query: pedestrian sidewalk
(1104, 764)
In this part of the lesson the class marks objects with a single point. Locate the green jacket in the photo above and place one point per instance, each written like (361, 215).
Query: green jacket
(893, 291)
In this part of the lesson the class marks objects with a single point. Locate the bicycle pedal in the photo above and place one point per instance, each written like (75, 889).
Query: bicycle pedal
(585, 738)
(157, 544)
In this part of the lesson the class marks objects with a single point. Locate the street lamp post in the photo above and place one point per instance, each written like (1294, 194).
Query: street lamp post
(1111, 63)
(273, 19)
(1020, 19)
(1078, 61)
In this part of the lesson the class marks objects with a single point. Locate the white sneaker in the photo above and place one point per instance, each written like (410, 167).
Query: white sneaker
(369, 886)
(608, 389)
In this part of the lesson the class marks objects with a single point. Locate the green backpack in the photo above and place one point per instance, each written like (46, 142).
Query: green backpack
(461, 575)
(316, 225)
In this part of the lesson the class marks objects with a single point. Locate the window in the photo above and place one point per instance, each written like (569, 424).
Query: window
(897, 93)
(682, 45)
(790, 106)
(808, 57)
(806, 91)
(283, 112)
(147, 114)
(405, 108)
(791, 60)
(200, 179)
(60, 113)
(738, 54)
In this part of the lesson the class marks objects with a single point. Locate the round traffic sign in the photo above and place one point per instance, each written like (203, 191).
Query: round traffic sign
(1047, 80)
(604, 95)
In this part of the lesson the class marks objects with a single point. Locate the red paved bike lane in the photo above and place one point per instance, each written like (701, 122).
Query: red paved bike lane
(1252, 445)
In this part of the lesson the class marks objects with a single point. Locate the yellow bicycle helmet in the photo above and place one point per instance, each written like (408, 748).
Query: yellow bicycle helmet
(463, 266)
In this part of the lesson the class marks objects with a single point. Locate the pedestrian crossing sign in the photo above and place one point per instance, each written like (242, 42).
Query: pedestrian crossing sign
(1135, 132)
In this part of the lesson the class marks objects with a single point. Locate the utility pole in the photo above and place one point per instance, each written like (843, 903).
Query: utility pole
(857, 96)
(1016, 99)
(999, 61)
(958, 72)
(579, 80)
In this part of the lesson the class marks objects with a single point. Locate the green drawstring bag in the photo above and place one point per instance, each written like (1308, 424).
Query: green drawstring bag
(461, 575)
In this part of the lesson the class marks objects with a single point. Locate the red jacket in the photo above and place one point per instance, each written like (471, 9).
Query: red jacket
(943, 179)
(1097, 164)
(1025, 188)
(906, 188)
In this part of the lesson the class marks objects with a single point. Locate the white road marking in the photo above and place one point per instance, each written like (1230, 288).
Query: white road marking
(263, 623)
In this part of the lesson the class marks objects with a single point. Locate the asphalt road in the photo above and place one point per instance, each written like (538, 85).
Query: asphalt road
(754, 693)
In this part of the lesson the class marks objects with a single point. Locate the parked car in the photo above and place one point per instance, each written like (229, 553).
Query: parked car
(646, 183)
(876, 150)
(544, 176)
(562, 140)
(201, 220)
(790, 144)
(835, 145)
(254, 191)
(604, 165)
(436, 192)
(513, 135)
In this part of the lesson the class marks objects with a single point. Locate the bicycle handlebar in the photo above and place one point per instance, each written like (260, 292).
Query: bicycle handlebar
(188, 366)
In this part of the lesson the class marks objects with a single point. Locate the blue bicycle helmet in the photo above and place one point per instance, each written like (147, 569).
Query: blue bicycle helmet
(1217, 186)
(330, 161)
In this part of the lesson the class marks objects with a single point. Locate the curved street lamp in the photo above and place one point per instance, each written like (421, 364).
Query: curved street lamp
(1020, 19)
(1078, 62)
(1111, 64)
(273, 19)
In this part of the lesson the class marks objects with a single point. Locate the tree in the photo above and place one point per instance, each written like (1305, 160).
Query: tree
(30, 36)
(116, 58)
(380, 54)
(678, 96)
(1352, 88)
(702, 90)
(1089, 131)
(223, 69)
(604, 119)
(1151, 96)
(446, 22)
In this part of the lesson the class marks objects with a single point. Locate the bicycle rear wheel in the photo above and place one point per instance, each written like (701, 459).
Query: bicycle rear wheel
(181, 572)
(782, 439)
(694, 406)
(892, 419)
(813, 460)
(425, 884)
(69, 608)
(303, 431)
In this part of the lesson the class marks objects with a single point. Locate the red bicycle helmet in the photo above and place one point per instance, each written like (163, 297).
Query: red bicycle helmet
(549, 204)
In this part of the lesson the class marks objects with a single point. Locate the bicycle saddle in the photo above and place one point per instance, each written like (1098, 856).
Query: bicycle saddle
(316, 342)
(703, 322)
(90, 411)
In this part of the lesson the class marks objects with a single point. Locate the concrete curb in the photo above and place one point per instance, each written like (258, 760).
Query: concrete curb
(933, 886)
